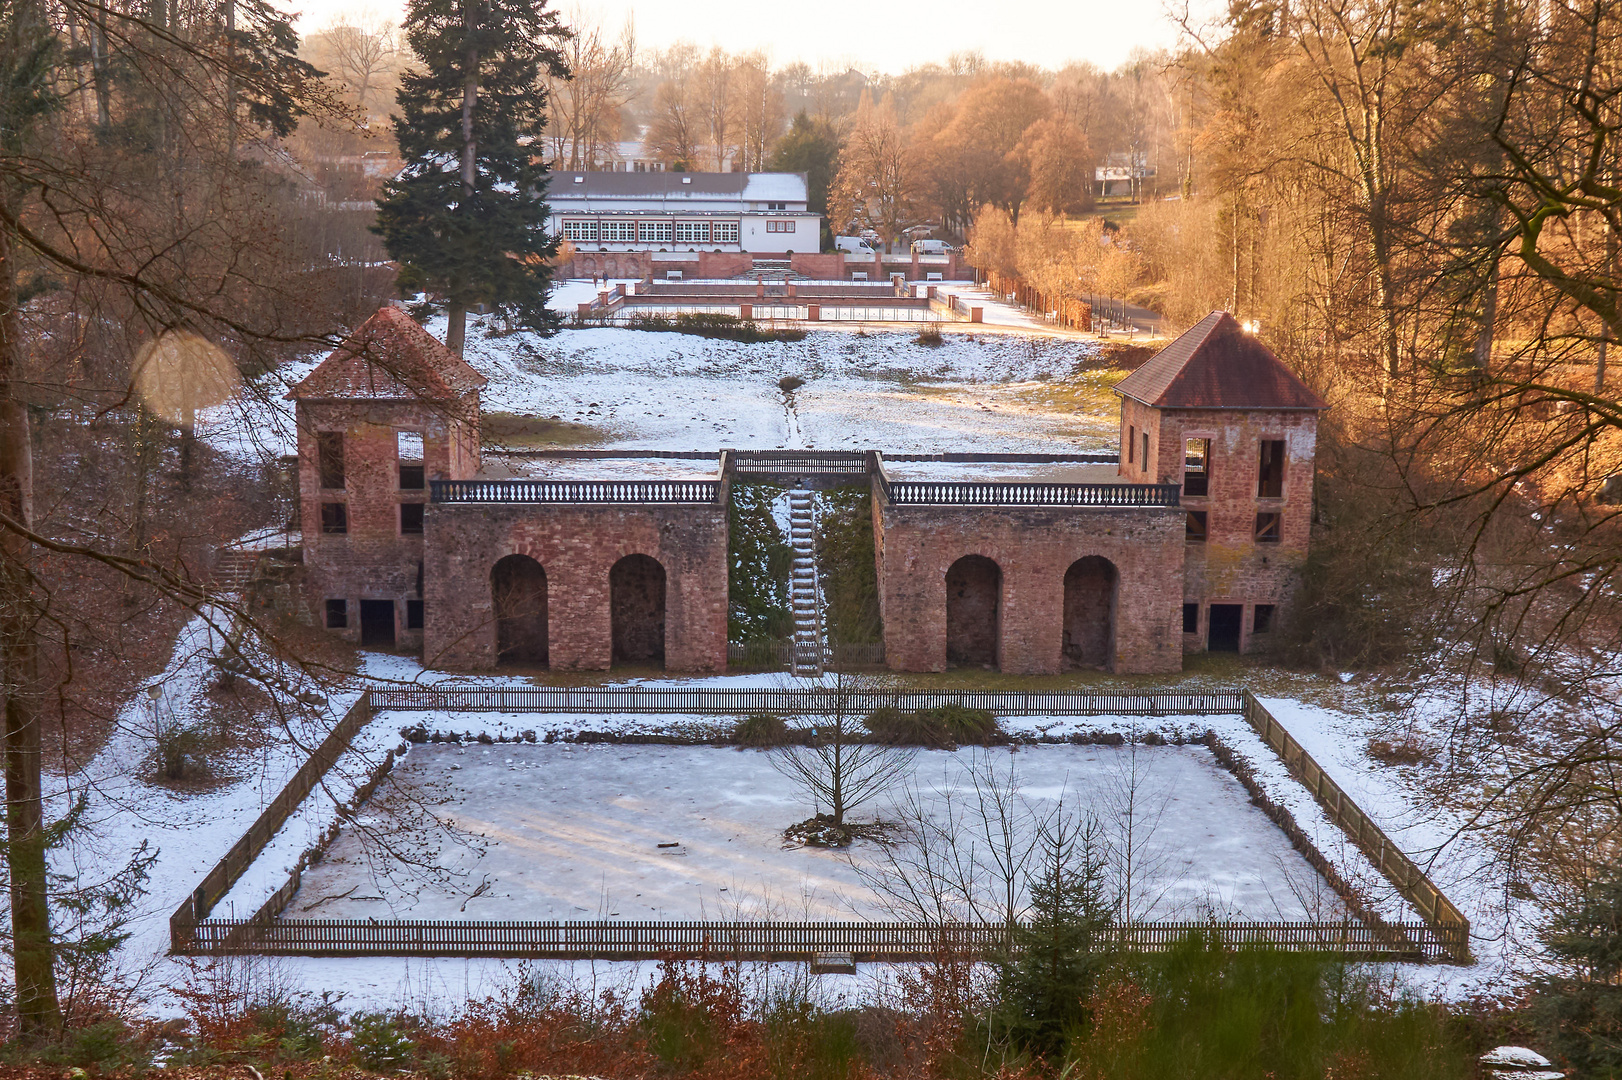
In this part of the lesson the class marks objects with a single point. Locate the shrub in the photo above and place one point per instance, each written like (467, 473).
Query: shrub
(714, 325)
(930, 335)
(688, 1017)
(937, 729)
(760, 729)
(379, 1043)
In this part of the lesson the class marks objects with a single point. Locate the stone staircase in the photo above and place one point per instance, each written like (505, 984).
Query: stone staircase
(233, 569)
(773, 270)
(804, 592)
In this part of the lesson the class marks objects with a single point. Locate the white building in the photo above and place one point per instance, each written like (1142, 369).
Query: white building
(670, 211)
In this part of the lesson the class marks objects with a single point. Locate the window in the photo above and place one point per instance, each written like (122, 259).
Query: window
(1196, 530)
(655, 232)
(577, 229)
(337, 614)
(329, 453)
(1131, 444)
(1191, 618)
(1262, 621)
(692, 232)
(1267, 528)
(618, 232)
(776, 206)
(409, 451)
(1270, 482)
(413, 614)
(1145, 451)
(411, 519)
(334, 518)
(1196, 467)
(780, 226)
(724, 232)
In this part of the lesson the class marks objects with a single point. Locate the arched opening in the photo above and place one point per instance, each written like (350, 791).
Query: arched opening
(1089, 612)
(518, 595)
(973, 599)
(636, 588)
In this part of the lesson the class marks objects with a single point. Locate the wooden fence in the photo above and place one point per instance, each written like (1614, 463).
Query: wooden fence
(788, 701)
(1404, 874)
(218, 881)
(864, 941)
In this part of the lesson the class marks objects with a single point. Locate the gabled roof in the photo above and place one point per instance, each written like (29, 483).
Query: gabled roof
(570, 184)
(1217, 365)
(390, 356)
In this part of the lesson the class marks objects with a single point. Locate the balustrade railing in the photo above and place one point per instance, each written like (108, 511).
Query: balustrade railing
(962, 493)
(574, 491)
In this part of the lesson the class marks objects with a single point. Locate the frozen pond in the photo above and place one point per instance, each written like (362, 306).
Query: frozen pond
(570, 831)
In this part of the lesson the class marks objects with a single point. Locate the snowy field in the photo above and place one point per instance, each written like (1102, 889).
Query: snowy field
(665, 391)
(690, 832)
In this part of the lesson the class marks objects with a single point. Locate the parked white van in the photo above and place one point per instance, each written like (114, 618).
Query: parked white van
(931, 247)
(853, 245)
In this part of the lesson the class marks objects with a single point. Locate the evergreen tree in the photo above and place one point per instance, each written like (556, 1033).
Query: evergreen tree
(466, 218)
(1058, 956)
(1582, 1014)
(812, 147)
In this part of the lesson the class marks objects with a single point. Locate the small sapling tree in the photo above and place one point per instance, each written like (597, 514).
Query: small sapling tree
(838, 768)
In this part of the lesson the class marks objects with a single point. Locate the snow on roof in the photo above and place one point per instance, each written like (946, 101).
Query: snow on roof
(569, 184)
(390, 356)
(1217, 365)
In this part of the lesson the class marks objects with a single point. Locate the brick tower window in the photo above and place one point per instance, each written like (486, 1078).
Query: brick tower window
(337, 614)
(1191, 618)
(1197, 467)
(334, 518)
(1262, 621)
(1267, 531)
(1270, 483)
(1145, 451)
(329, 453)
(410, 456)
(1131, 444)
(411, 518)
(1196, 530)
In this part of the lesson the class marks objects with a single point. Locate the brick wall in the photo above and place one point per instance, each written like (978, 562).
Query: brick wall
(577, 546)
(1230, 567)
(373, 560)
(1033, 547)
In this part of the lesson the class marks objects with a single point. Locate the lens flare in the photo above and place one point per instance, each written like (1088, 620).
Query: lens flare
(181, 373)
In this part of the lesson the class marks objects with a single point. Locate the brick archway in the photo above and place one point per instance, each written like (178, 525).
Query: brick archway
(518, 596)
(973, 612)
(636, 587)
(1090, 587)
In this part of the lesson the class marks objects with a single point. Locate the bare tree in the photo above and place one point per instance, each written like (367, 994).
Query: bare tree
(837, 767)
(585, 116)
(875, 188)
(363, 51)
(716, 106)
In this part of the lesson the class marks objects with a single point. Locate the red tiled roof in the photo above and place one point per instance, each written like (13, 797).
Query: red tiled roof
(390, 356)
(1216, 365)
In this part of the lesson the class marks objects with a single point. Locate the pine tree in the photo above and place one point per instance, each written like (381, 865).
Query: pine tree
(812, 147)
(1582, 1014)
(466, 218)
(1057, 956)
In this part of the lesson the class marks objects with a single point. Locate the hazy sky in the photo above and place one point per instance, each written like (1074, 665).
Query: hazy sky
(874, 35)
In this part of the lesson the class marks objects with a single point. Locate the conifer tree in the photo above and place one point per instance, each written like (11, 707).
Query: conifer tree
(1581, 1012)
(466, 218)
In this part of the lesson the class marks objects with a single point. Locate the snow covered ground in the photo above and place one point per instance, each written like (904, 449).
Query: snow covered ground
(689, 832)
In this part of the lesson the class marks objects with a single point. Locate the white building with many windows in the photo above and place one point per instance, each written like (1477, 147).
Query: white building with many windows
(670, 211)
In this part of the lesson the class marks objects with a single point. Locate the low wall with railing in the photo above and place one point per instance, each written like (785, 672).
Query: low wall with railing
(863, 941)
(1403, 873)
(574, 491)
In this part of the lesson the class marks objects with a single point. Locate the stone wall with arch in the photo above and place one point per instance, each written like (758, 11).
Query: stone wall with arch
(577, 546)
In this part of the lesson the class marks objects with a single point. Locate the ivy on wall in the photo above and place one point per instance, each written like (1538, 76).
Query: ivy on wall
(845, 562)
(758, 562)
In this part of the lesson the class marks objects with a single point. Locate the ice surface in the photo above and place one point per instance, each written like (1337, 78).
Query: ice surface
(568, 831)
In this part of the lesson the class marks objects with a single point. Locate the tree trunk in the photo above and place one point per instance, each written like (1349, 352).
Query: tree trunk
(456, 311)
(37, 1011)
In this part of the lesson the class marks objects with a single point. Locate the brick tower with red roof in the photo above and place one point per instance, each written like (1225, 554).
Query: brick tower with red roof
(1219, 414)
(389, 410)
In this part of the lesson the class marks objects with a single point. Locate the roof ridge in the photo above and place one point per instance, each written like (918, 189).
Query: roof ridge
(1218, 364)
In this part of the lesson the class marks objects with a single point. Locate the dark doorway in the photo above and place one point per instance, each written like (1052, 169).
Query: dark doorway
(1089, 612)
(1226, 620)
(377, 622)
(973, 594)
(518, 596)
(637, 609)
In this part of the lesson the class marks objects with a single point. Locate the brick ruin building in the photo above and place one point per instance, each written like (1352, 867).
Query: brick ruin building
(1192, 537)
